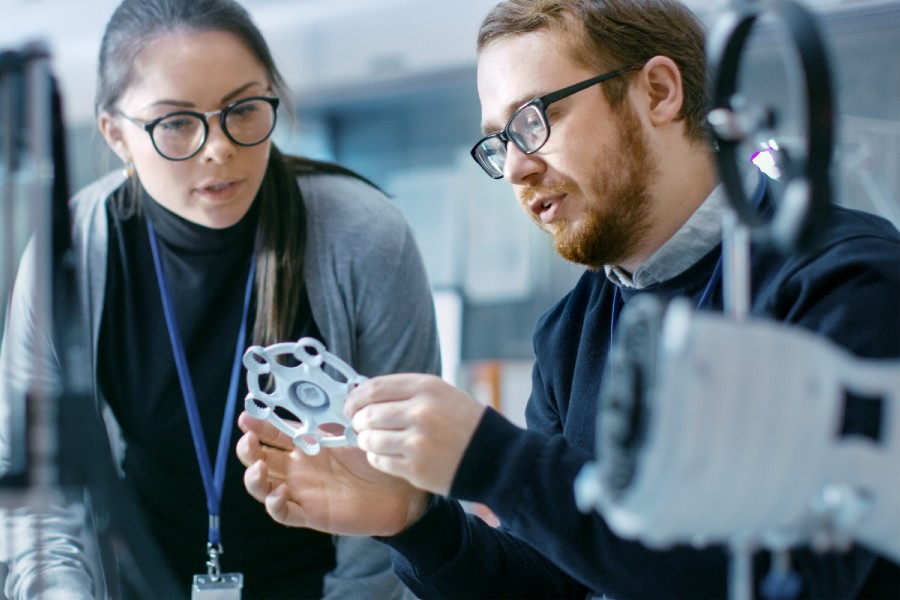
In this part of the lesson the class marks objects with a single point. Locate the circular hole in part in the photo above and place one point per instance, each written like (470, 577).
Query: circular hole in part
(309, 396)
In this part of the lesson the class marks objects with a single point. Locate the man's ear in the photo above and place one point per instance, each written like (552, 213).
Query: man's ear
(662, 90)
(112, 133)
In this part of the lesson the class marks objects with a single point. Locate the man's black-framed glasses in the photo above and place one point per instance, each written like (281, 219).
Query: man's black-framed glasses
(529, 128)
(180, 135)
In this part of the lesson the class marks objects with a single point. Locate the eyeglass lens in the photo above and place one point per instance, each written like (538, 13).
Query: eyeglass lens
(247, 122)
(527, 129)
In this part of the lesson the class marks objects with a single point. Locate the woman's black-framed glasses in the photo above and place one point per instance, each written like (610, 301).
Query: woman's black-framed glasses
(180, 135)
(529, 128)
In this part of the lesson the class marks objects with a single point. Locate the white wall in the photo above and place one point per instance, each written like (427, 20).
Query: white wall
(316, 43)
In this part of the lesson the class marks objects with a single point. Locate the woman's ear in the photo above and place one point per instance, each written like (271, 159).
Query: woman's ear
(112, 133)
(662, 90)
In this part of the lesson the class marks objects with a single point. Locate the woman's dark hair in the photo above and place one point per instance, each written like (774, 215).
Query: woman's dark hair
(609, 34)
(136, 23)
(282, 223)
(280, 239)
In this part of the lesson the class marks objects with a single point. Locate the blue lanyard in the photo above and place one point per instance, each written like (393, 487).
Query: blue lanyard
(212, 482)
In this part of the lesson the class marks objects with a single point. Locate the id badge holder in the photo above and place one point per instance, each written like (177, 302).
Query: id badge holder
(215, 585)
(226, 586)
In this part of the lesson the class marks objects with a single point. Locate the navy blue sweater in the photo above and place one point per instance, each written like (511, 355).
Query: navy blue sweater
(848, 290)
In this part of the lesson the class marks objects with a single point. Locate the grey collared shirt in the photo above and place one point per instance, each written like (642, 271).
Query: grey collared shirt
(700, 234)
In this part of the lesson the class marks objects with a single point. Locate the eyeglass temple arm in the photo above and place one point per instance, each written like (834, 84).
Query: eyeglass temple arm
(572, 89)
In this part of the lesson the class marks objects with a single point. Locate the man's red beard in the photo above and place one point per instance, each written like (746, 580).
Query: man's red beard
(617, 213)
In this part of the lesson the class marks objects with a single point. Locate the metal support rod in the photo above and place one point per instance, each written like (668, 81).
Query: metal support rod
(740, 570)
(37, 171)
(736, 263)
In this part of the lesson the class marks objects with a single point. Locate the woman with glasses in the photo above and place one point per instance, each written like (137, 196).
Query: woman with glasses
(209, 241)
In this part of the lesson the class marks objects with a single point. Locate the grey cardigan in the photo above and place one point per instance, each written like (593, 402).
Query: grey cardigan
(370, 298)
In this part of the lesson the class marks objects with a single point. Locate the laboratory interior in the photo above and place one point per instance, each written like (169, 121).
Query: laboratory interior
(805, 92)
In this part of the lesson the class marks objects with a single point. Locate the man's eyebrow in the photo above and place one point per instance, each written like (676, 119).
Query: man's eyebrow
(488, 127)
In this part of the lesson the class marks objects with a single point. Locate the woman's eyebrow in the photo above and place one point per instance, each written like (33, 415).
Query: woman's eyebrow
(225, 98)
(239, 91)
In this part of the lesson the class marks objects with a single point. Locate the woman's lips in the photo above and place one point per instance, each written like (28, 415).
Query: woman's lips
(219, 191)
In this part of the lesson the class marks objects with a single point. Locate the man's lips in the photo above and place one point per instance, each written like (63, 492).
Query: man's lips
(546, 208)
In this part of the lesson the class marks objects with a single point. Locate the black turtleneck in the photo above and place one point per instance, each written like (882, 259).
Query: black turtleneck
(206, 270)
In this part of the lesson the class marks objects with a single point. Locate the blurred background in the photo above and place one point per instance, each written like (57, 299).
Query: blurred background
(387, 88)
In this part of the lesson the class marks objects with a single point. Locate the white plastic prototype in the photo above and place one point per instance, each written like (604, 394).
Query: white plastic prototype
(300, 398)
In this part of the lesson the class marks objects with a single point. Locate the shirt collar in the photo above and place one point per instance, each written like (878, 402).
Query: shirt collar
(700, 234)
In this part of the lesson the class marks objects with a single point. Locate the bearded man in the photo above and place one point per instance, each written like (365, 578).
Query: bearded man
(593, 111)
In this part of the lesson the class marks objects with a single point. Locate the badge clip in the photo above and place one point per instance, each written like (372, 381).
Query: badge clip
(216, 585)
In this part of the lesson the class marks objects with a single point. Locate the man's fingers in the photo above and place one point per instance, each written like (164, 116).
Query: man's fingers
(276, 504)
(388, 388)
(277, 462)
(250, 452)
(381, 441)
(283, 510)
(273, 495)
(256, 481)
(385, 451)
(384, 415)
(392, 465)
(268, 434)
(248, 449)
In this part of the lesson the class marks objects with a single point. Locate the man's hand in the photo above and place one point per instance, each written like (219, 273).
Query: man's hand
(335, 491)
(414, 426)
